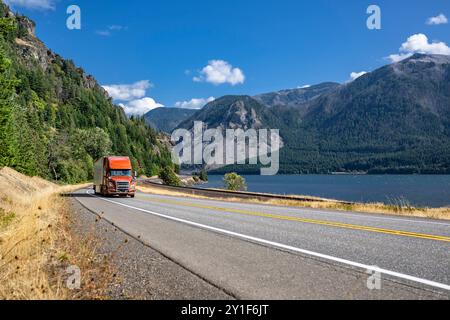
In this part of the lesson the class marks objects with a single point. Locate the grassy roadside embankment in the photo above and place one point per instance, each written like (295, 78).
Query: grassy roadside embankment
(37, 245)
(400, 209)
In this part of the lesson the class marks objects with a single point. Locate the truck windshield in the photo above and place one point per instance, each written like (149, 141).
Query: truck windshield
(120, 173)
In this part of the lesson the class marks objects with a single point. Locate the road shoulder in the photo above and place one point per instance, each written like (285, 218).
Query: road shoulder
(141, 272)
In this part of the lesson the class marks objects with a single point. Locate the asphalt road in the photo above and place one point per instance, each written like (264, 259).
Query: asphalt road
(269, 252)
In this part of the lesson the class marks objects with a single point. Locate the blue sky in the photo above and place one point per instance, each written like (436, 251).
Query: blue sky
(156, 50)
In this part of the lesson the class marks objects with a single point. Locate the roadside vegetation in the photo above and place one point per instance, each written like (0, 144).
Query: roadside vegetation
(203, 176)
(399, 209)
(37, 245)
(234, 182)
(169, 177)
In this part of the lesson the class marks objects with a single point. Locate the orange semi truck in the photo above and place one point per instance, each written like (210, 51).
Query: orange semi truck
(113, 176)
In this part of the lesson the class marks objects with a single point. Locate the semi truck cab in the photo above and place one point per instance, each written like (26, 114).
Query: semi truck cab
(114, 176)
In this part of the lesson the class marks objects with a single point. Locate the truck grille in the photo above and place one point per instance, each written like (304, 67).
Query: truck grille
(123, 186)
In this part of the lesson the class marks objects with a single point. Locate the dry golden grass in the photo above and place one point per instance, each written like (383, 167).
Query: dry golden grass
(400, 209)
(35, 239)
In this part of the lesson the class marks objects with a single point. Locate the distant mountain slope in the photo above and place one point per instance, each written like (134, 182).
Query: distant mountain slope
(296, 97)
(235, 112)
(393, 120)
(167, 119)
(55, 120)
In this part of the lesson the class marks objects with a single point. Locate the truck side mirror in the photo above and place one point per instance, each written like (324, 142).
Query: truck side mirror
(135, 174)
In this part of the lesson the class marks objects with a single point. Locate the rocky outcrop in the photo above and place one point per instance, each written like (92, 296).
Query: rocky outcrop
(32, 51)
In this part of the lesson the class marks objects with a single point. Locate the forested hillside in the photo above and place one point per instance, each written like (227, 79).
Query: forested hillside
(395, 119)
(55, 120)
(167, 119)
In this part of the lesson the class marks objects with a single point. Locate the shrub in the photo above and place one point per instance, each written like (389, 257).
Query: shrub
(168, 176)
(203, 176)
(235, 182)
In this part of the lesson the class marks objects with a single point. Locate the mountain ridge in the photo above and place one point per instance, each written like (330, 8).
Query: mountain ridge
(167, 119)
(297, 96)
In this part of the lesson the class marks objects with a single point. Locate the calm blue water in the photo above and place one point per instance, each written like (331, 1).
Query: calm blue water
(418, 190)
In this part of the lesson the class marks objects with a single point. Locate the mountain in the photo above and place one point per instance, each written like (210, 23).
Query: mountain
(296, 97)
(393, 120)
(167, 119)
(55, 119)
(234, 112)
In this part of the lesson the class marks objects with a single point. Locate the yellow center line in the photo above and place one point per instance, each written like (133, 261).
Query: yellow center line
(304, 220)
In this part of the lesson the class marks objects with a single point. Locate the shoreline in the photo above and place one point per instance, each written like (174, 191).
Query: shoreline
(424, 191)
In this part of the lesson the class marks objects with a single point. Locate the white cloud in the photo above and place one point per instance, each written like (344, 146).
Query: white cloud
(103, 33)
(140, 106)
(32, 4)
(116, 27)
(194, 103)
(128, 92)
(356, 75)
(419, 43)
(133, 97)
(305, 86)
(220, 72)
(439, 19)
(399, 57)
(110, 29)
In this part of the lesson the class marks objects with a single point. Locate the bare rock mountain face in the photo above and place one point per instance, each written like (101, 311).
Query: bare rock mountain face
(233, 112)
(296, 97)
(31, 50)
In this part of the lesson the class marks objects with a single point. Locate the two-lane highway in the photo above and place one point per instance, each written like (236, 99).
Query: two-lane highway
(269, 252)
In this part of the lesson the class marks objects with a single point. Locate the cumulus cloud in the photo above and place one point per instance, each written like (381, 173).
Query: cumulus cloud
(140, 106)
(194, 103)
(419, 43)
(439, 19)
(32, 4)
(356, 75)
(220, 72)
(128, 92)
(132, 97)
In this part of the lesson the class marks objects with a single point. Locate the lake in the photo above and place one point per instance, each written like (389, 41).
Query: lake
(417, 190)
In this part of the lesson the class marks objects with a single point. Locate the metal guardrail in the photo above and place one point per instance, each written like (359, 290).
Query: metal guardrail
(224, 194)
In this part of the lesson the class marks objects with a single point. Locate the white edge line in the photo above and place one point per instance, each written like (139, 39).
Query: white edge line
(287, 247)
